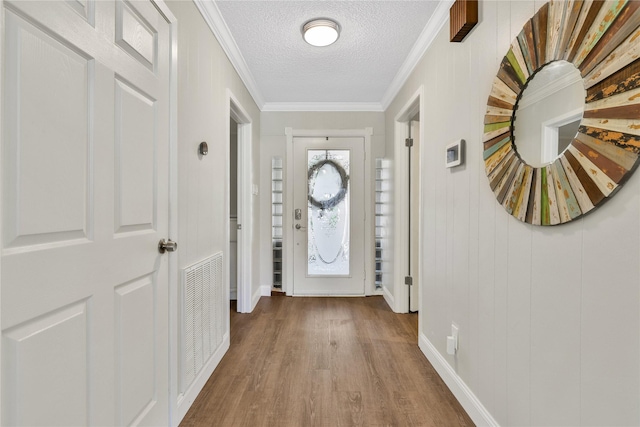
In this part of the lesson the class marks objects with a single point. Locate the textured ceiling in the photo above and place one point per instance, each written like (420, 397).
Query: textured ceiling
(375, 41)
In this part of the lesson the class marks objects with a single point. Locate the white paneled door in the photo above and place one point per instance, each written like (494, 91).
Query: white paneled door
(328, 217)
(85, 140)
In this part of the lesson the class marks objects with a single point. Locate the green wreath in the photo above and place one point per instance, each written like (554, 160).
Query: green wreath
(335, 200)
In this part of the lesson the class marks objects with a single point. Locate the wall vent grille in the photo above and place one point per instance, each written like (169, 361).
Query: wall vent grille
(202, 308)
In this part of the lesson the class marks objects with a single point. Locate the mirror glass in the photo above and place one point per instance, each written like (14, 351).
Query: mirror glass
(549, 113)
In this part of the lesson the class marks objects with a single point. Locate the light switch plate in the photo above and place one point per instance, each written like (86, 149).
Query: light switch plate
(451, 346)
(454, 334)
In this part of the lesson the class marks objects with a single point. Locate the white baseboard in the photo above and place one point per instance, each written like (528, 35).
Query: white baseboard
(462, 392)
(265, 290)
(233, 294)
(388, 298)
(186, 400)
(255, 298)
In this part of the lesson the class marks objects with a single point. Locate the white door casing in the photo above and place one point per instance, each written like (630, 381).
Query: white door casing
(244, 236)
(414, 198)
(399, 302)
(354, 282)
(85, 191)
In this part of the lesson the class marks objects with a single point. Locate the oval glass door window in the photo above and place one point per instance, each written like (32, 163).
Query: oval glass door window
(328, 213)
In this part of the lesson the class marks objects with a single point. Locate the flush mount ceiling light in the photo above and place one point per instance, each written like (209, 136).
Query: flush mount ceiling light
(321, 32)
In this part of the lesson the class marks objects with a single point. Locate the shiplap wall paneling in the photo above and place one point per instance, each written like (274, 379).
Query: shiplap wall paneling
(486, 366)
(519, 264)
(460, 208)
(539, 311)
(609, 299)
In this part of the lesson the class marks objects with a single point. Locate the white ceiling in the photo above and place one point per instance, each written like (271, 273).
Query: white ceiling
(380, 43)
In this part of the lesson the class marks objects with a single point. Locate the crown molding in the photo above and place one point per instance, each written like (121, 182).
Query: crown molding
(323, 106)
(549, 89)
(212, 16)
(438, 19)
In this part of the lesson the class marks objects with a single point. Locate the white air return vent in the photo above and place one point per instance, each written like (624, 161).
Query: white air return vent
(202, 313)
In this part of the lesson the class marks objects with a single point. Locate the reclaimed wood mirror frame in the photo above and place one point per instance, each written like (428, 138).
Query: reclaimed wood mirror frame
(602, 40)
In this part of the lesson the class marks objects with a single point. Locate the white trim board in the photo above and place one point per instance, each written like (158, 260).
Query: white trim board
(186, 400)
(436, 22)
(413, 106)
(212, 16)
(255, 298)
(388, 297)
(237, 112)
(323, 106)
(475, 409)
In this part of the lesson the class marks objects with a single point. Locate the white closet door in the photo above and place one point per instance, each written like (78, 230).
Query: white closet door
(85, 143)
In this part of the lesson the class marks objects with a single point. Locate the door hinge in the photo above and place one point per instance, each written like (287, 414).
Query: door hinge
(408, 280)
(408, 142)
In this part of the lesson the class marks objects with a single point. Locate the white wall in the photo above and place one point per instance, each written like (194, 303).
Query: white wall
(273, 143)
(549, 316)
(204, 75)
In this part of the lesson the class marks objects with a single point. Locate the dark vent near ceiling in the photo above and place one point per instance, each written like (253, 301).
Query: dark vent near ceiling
(463, 16)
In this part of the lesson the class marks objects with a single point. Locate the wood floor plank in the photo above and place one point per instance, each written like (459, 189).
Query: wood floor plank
(325, 362)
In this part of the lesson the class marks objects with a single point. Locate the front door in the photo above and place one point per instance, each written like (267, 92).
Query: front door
(328, 216)
(85, 142)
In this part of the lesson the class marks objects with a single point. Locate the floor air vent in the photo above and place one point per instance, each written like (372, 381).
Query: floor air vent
(203, 311)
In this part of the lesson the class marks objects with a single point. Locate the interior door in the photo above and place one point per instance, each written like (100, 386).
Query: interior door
(85, 101)
(328, 216)
(414, 216)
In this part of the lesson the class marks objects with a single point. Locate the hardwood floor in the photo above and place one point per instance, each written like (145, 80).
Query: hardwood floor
(325, 362)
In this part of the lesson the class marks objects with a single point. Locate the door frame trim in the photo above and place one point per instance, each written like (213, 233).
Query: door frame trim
(400, 292)
(2, 67)
(287, 218)
(236, 111)
(174, 272)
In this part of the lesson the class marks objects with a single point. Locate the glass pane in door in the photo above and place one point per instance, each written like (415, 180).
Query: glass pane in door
(328, 213)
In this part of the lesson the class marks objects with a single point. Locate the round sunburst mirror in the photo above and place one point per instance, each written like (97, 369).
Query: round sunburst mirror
(562, 126)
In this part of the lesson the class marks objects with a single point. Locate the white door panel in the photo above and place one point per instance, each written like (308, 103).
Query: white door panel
(84, 204)
(59, 380)
(28, 150)
(328, 242)
(135, 152)
(135, 330)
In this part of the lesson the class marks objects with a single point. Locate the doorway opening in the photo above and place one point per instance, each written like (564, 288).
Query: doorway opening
(557, 134)
(240, 200)
(408, 235)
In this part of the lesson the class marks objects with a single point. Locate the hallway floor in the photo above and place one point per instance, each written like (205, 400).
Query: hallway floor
(325, 362)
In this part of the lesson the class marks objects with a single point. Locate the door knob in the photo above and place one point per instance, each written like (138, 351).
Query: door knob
(167, 245)
(299, 227)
